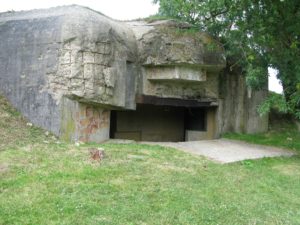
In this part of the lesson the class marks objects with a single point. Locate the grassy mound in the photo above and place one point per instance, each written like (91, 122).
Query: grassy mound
(46, 181)
(15, 129)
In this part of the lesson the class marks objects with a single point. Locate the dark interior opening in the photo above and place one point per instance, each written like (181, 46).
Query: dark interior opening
(195, 119)
(113, 124)
(156, 123)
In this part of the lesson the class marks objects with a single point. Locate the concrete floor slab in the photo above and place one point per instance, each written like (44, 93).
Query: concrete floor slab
(226, 151)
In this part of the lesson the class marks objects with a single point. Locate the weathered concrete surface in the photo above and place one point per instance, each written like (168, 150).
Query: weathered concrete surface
(66, 68)
(65, 52)
(86, 123)
(226, 151)
(167, 42)
(28, 49)
(177, 62)
(237, 111)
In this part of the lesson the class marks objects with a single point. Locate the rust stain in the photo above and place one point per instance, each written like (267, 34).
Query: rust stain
(89, 112)
(91, 121)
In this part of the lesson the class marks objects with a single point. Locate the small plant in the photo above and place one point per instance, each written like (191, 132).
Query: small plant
(247, 163)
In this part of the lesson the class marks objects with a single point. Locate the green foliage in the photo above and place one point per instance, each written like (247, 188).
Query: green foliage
(294, 104)
(256, 77)
(259, 34)
(278, 102)
(274, 101)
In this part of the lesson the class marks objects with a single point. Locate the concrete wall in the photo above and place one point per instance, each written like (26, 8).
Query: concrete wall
(82, 122)
(177, 63)
(96, 60)
(28, 51)
(237, 111)
(74, 52)
(205, 86)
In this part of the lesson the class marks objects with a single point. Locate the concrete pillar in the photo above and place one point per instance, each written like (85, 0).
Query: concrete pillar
(211, 128)
(82, 122)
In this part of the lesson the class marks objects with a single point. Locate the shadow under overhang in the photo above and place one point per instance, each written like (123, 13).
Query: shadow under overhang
(154, 100)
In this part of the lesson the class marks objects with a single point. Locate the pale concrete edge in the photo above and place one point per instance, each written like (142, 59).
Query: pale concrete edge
(266, 147)
(171, 145)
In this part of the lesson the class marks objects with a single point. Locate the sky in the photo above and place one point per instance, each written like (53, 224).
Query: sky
(274, 83)
(116, 9)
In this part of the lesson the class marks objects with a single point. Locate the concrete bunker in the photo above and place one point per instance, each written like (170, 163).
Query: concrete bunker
(85, 77)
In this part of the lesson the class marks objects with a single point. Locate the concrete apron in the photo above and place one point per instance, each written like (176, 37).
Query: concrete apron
(226, 151)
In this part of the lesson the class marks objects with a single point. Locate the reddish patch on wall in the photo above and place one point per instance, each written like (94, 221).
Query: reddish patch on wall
(91, 120)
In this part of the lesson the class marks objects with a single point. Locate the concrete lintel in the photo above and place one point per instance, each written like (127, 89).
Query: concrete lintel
(153, 100)
(176, 74)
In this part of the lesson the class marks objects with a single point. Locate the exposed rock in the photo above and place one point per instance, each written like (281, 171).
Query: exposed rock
(169, 43)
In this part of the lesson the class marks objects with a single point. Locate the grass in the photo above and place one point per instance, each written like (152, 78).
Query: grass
(14, 130)
(286, 139)
(46, 181)
(282, 134)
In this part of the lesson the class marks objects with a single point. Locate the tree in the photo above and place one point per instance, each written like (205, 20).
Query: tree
(257, 34)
